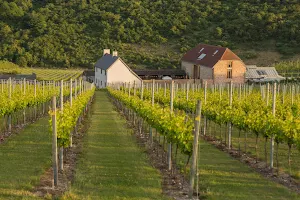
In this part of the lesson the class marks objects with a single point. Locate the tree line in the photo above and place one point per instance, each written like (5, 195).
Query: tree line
(68, 33)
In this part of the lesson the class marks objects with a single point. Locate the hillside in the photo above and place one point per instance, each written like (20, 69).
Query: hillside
(148, 33)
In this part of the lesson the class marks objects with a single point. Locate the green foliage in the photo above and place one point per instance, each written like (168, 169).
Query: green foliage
(249, 112)
(176, 128)
(69, 33)
(67, 119)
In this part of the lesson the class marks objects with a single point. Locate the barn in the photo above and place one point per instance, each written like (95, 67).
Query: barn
(262, 74)
(111, 69)
(213, 64)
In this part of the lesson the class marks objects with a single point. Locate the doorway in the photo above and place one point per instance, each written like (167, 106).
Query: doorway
(196, 73)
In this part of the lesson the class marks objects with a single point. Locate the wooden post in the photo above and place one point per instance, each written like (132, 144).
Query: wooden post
(230, 124)
(292, 93)
(71, 92)
(61, 149)
(272, 136)
(9, 97)
(142, 90)
(75, 87)
(129, 89)
(54, 143)
(71, 102)
(165, 89)
(134, 89)
(205, 120)
(187, 91)
(152, 103)
(43, 97)
(267, 96)
(195, 149)
(171, 112)
(24, 93)
(35, 111)
(79, 86)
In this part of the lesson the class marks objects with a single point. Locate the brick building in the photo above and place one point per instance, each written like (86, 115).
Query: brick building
(213, 64)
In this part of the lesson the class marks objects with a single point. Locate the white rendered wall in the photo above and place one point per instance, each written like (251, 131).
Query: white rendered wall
(119, 73)
(100, 78)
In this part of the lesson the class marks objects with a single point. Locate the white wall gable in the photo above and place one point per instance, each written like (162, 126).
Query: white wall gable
(120, 73)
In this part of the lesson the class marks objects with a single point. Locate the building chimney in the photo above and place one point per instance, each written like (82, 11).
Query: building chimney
(115, 53)
(106, 51)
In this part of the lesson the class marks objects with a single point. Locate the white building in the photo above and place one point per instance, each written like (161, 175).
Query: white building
(111, 69)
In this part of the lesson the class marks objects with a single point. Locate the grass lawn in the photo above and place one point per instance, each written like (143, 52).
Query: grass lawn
(24, 158)
(112, 166)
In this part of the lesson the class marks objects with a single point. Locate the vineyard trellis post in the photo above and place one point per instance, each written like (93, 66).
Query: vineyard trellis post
(195, 148)
(54, 143)
(35, 106)
(171, 112)
(152, 104)
(24, 93)
(75, 86)
(187, 92)
(267, 96)
(43, 97)
(71, 102)
(204, 118)
(272, 136)
(142, 90)
(9, 96)
(61, 149)
(230, 124)
(165, 89)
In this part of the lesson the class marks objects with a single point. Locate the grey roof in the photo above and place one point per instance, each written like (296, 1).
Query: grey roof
(106, 61)
(261, 74)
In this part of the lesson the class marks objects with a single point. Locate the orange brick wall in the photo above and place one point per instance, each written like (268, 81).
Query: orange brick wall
(238, 71)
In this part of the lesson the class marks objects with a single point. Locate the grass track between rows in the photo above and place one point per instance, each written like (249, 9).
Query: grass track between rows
(24, 158)
(112, 166)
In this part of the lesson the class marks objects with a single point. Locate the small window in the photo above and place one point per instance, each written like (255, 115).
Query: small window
(229, 70)
(104, 84)
(261, 72)
(101, 83)
(215, 52)
(229, 73)
(105, 72)
(201, 56)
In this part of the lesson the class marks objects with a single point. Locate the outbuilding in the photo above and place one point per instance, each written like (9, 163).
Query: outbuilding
(262, 74)
(111, 69)
(213, 64)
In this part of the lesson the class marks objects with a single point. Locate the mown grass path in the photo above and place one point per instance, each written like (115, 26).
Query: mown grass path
(223, 177)
(24, 158)
(112, 166)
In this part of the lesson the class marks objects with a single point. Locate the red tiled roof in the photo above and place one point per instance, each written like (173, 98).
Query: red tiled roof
(208, 55)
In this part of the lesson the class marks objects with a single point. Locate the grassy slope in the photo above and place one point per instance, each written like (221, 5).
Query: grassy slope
(112, 166)
(24, 157)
